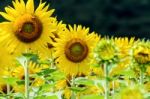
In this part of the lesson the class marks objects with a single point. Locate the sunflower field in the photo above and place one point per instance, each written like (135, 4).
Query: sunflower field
(43, 58)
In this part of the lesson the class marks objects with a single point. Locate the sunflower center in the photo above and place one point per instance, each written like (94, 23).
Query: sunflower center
(142, 57)
(27, 28)
(76, 50)
(4, 88)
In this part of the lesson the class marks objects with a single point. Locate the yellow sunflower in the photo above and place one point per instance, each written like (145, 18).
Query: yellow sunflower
(60, 27)
(18, 72)
(121, 66)
(106, 50)
(4, 87)
(124, 45)
(148, 70)
(26, 27)
(64, 85)
(74, 50)
(131, 93)
(141, 52)
(147, 86)
(34, 68)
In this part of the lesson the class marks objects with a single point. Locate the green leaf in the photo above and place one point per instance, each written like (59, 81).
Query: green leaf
(22, 60)
(20, 82)
(92, 97)
(84, 81)
(46, 71)
(128, 73)
(31, 56)
(78, 89)
(18, 96)
(11, 80)
(46, 97)
(57, 75)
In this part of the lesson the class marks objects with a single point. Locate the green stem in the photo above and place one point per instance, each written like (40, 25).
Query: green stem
(8, 90)
(141, 77)
(113, 89)
(26, 70)
(106, 81)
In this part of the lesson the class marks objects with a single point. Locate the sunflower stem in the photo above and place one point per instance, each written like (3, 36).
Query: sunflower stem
(141, 77)
(26, 79)
(8, 90)
(106, 81)
(113, 91)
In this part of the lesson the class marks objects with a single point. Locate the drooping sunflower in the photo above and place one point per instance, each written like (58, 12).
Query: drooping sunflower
(141, 52)
(106, 50)
(74, 50)
(26, 27)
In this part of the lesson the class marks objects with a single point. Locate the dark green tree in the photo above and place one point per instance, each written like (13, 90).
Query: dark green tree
(107, 17)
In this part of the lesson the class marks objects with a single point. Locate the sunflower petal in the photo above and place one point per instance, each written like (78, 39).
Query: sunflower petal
(30, 6)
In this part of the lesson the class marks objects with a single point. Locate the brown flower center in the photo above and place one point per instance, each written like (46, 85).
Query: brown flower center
(76, 50)
(27, 28)
(4, 88)
(142, 57)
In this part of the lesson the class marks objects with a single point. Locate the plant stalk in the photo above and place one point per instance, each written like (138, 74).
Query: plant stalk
(26, 70)
(106, 81)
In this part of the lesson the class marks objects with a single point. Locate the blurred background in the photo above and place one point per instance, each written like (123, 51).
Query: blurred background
(107, 17)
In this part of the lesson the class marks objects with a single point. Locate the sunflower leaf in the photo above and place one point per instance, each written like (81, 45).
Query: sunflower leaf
(92, 97)
(83, 81)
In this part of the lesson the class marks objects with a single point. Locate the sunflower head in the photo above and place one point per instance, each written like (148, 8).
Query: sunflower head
(106, 50)
(124, 45)
(141, 52)
(4, 87)
(74, 49)
(18, 72)
(131, 93)
(148, 70)
(147, 86)
(26, 27)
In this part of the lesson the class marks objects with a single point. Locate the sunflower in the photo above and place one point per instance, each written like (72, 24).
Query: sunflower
(26, 27)
(147, 86)
(148, 70)
(131, 93)
(106, 50)
(64, 85)
(60, 27)
(120, 67)
(4, 87)
(124, 45)
(141, 52)
(18, 72)
(74, 50)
